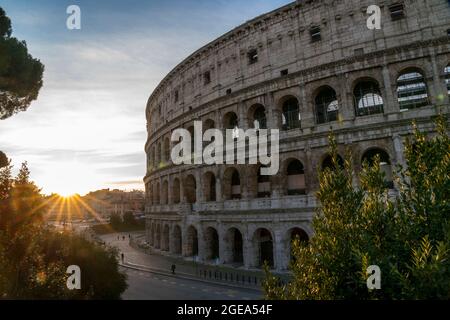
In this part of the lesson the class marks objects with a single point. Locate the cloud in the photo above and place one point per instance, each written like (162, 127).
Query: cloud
(90, 113)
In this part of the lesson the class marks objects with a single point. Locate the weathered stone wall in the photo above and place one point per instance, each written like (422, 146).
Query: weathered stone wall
(347, 57)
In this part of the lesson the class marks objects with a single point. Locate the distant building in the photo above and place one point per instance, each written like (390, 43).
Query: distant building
(106, 202)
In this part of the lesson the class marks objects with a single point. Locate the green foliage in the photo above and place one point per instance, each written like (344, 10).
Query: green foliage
(34, 258)
(20, 73)
(5, 25)
(407, 236)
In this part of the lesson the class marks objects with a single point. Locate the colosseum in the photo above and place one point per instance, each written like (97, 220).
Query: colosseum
(306, 68)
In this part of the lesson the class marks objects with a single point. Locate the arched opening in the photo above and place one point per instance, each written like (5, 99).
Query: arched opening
(192, 242)
(367, 97)
(153, 159)
(165, 238)
(234, 247)
(208, 124)
(158, 236)
(149, 195)
(291, 114)
(230, 121)
(165, 192)
(263, 243)
(151, 238)
(297, 234)
(211, 244)
(176, 191)
(190, 189)
(158, 194)
(167, 150)
(209, 186)
(231, 184)
(447, 78)
(328, 162)
(158, 156)
(412, 90)
(191, 133)
(176, 240)
(327, 105)
(235, 185)
(259, 119)
(295, 178)
(385, 164)
(264, 189)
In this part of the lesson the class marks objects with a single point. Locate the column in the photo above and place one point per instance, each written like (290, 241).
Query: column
(278, 250)
(306, 110)
(390, 102)
(439, 93)
(346, 105)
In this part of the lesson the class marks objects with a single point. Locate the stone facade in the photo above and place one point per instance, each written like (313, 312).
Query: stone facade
(305, 68)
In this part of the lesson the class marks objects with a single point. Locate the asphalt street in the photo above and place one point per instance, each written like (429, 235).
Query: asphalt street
(148, 286)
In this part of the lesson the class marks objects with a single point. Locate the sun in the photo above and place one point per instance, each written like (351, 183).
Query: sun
(66, 193)
(70, 178)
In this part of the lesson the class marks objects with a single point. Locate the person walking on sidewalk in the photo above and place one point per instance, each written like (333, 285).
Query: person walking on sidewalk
(122, 256)
(173, 269)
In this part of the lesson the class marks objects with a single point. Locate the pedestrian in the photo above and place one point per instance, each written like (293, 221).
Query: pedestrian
(173, 269)
(123, 257)
(129, 236)
(123, 238)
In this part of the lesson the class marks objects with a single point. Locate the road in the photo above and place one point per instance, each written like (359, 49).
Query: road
(148, 286)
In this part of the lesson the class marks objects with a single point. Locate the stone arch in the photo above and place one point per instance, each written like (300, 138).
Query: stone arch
(176, 190)
(230, 120)
(209, 186)
(234, 247)
(290, 112)
(166, 150)
(190, 189)
(385, 163)
(367, 97)
(412, 89)
(165, 238)
(208, 124)
(151, 238)
(232, 185)
(177, 240)
(158, 194)
(293, 234)
(149, 196)
(326, 105)
(158, 236)
(295, 177)
(257, 116)
(153, 158)
(191, 242)
(211, 237)
(158, 155)
(165, 192)
(263, 247)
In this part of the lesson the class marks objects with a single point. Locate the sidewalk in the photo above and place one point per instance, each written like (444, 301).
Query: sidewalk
(225, 275)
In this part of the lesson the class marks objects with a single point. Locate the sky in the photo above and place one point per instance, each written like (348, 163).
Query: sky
(87, 129)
